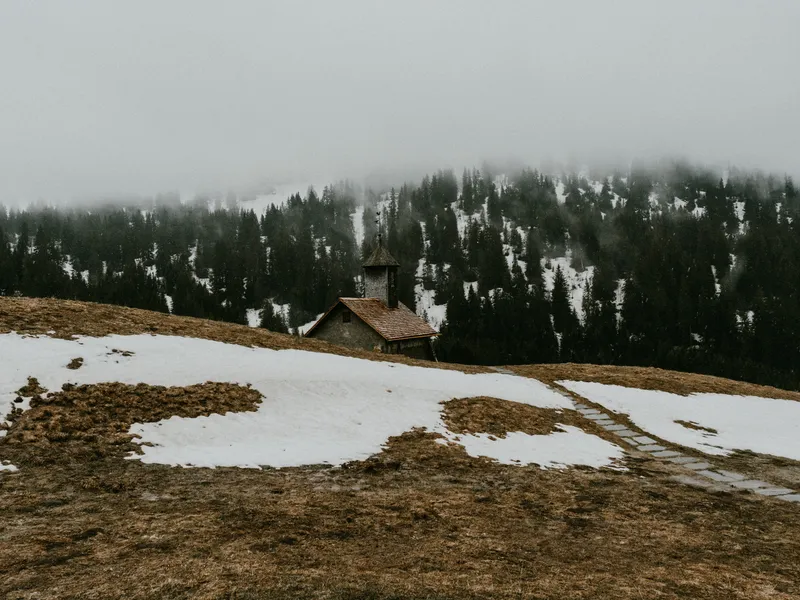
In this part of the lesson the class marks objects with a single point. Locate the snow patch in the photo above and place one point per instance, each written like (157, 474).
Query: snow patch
(253, 317)
(738, 208)
(358, 225)
(303, 329)
(560, 195)
(569, 446)
(317, 408)
(428, 309)
(576, 281)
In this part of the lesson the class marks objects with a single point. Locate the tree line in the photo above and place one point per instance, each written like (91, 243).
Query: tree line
(684, 269)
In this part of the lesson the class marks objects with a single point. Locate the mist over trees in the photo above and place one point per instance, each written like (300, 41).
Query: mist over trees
(678, 268)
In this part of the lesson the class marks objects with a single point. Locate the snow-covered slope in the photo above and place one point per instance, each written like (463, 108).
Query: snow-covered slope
(720, 423)
(317, 408)
(278, 195)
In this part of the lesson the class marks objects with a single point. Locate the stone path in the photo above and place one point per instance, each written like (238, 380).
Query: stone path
(702, 474)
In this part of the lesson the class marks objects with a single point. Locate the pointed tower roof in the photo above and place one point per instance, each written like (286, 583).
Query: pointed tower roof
(380, 257)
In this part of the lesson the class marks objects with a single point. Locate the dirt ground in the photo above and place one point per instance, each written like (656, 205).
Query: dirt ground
(420, 520)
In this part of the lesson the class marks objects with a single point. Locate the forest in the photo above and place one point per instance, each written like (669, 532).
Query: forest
(676, 266)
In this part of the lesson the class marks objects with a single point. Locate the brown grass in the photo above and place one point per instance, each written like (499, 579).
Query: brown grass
(67, 318)
(92, 421)
(420, 520)
(32, 388)
(498, 417)
(75, 363)
(649, 378)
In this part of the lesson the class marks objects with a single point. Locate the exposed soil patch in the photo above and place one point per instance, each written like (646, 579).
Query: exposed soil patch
(32, 388)
(92, 421)
(647, 378)
(498, 417)
(695, 426)
(75, 363)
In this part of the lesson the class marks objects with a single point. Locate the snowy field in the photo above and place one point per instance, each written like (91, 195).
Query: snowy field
(317, 408)
(762, 425)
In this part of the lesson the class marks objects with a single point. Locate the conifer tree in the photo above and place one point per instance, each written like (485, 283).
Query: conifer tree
(271, 319)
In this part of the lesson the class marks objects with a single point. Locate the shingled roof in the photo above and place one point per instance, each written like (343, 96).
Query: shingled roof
(380, 257)
(392, 324)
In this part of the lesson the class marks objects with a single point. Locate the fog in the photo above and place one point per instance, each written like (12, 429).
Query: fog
(100, 97)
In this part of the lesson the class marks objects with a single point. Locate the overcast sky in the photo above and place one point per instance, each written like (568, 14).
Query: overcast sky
(100, 96)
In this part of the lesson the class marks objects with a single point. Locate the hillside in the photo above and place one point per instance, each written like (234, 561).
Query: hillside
(310, 471)
(671, 265)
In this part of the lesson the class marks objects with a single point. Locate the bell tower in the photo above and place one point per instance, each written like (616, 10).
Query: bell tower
(380, 276)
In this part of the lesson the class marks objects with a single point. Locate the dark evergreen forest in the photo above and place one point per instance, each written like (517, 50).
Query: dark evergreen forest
(677, 267)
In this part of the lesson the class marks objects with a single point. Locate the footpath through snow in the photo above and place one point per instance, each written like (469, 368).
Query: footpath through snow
(719, 423)
(317, 408)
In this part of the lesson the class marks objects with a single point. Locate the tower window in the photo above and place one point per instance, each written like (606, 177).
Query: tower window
(345, 316)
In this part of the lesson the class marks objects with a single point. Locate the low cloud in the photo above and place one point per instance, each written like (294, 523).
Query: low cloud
(102, 98)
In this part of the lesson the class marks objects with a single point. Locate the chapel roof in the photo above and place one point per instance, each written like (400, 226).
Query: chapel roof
(392, 324)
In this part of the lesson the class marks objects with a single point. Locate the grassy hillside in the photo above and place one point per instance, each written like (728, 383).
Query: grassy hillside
(421, 519)
(67, 318)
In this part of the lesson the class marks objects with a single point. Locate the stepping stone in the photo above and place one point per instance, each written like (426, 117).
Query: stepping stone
(697, 466)
(666, 454)
(630, 441)
(614, 427)
(627, 433)
(605, 422)
(773, 491)
(790, 498)
(588, 411)
(683, 460)
(597, 417)
(731, 475)
(716, 476)
(694, 482)
(578, 405)
(643, 439)
(750, 484)
(650, 447)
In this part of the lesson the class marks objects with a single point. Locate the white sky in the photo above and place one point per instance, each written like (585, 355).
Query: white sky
(101, 96)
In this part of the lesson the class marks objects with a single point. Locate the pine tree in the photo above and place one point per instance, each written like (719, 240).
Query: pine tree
(563, 314)
(272, 320)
